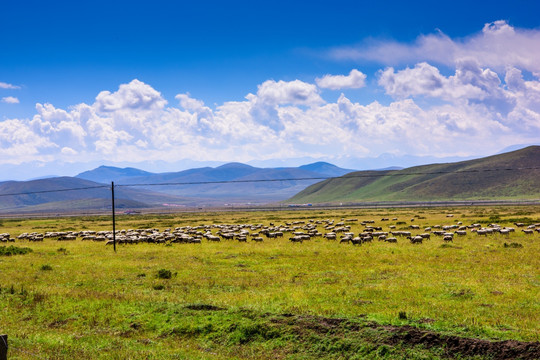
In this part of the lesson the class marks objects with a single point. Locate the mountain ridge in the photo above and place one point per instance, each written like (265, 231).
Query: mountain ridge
(483, 178)
(206, 186)
(230, 181)
(65, 189)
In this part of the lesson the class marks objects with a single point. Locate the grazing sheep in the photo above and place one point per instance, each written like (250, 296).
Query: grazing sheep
(367, 239)
(296, 239)
(212, 238)
(330, 236)
(401, 233)
(356, 240)
(227, 236)
(448, 238)
(345, 239)
(415, 239)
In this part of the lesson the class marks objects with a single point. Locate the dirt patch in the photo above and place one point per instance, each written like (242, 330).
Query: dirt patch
(497, 350)
(207, 307)
(57, 324)
(454, 346)
(426, 321)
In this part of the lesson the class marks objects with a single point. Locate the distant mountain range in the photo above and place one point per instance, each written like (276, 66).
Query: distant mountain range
(232, 182)
(57, 194)
(106, 174)
(512, 175)
(207, 186)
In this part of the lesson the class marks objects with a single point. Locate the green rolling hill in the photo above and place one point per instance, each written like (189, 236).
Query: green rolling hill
(54, 194)
(512, 175)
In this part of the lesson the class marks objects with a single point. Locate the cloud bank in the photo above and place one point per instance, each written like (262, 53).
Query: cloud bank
(497, 46)
(482, 106)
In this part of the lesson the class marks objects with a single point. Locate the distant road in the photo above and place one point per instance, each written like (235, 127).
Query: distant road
(270, 207)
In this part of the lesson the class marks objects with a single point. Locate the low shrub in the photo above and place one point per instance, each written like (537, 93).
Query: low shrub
(14, 250)
(513, 245)
(164, 274)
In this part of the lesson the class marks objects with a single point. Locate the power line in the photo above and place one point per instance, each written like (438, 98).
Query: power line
(57, 190)
(376, 173)
(225, 181)
(346, 176)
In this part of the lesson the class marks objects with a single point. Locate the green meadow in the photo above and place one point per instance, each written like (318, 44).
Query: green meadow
(319, 299)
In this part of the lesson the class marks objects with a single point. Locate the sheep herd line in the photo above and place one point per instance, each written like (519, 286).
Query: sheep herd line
(296, 231)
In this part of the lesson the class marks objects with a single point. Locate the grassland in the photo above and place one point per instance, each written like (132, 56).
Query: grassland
(276, 299)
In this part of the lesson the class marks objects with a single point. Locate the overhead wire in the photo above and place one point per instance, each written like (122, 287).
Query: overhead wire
(371, 174)
(56, 190)
(346, 176)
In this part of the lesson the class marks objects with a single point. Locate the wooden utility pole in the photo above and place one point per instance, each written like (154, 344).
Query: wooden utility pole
(3, 347)
(113, 218)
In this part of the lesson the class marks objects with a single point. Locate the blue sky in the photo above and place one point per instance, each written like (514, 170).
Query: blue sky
(151, 84)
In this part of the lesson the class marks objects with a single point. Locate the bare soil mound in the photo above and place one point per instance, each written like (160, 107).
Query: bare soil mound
(497, 350)
(410, 336)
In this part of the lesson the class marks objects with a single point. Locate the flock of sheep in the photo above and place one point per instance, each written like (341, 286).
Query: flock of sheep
(297, 232)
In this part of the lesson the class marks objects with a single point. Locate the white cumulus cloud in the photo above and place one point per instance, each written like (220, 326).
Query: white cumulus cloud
(4, 85)
(10, 100)
(135, 95)
(355, 80)
(469, 82)
(497, 46)
(20, 143)
(288, 92)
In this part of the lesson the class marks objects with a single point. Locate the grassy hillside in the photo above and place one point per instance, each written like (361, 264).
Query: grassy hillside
(92, 195)
(513, 175)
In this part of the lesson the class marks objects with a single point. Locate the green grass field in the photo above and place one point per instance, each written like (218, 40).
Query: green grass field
(275, 299)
